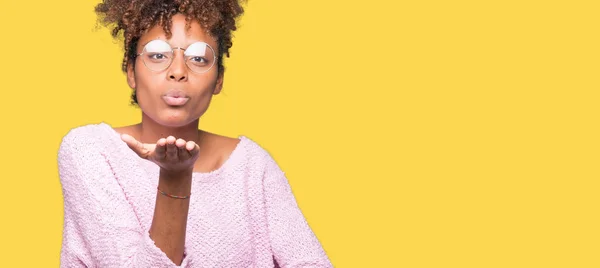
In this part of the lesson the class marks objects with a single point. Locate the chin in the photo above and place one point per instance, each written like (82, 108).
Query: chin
(173, 118)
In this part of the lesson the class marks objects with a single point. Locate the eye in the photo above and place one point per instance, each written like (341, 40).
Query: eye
(198, 60)
(157, 56)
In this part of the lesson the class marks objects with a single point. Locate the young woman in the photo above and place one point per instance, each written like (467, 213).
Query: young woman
(163, 193)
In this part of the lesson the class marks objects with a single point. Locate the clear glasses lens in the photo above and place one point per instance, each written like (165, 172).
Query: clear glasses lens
(158, 55)
(199, 57)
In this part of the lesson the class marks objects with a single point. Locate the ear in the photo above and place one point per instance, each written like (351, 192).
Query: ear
(219, 84)
(131, 76)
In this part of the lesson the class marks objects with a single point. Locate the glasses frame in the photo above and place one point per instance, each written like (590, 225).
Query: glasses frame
(173, 59)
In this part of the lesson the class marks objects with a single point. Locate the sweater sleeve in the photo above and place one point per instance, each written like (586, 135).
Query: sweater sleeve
(292, 241)
(100, 227)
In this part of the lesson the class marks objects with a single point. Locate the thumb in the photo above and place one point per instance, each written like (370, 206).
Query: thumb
(135, 145)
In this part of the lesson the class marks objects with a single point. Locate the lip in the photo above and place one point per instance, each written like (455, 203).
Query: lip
(175, 98)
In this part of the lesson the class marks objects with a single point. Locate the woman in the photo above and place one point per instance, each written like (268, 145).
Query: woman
(163, 193)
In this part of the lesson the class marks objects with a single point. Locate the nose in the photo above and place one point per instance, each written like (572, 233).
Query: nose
(178, 71)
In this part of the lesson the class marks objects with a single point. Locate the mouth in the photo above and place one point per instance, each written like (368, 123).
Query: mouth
(175, 98)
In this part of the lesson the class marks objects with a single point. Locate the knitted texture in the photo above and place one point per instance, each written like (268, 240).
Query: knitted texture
(242, 214)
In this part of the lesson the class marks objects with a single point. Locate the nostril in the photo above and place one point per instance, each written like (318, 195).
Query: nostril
(177, 77)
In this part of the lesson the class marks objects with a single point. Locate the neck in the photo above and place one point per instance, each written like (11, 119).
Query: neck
(150, 131)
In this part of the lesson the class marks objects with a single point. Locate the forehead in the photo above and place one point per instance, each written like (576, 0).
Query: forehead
(180, 36)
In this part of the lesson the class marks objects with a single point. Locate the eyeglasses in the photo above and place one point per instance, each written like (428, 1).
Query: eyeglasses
(158, 56)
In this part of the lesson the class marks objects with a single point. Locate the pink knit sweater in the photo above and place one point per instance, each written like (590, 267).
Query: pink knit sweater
(241, 215)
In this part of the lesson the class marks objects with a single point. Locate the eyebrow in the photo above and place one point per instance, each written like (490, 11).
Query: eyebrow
(158, 38)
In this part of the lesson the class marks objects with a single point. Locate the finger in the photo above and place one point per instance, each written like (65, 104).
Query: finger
(181, 151)
(161, 149)
(135, 145)
(192, 148)
(180, 143)
(130, 141)
(171, 148)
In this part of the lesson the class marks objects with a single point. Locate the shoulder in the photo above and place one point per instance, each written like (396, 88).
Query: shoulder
(82, 152)
(260, 156)
(85, 137)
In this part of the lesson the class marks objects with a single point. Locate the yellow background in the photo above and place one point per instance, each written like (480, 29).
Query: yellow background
(414, 133)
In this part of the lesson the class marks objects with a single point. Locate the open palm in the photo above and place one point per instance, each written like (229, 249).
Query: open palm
(170, 154)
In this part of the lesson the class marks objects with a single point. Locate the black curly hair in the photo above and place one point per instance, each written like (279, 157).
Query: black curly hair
(133, 18)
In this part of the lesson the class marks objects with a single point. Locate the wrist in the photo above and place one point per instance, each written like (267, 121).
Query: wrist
(175, 176)
(175, 183)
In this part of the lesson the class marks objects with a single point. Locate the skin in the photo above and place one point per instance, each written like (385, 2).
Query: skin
(169, 135)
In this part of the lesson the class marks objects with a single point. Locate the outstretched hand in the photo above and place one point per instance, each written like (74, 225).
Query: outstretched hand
(170, 154)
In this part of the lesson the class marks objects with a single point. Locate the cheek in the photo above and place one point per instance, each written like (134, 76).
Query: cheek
(203, 84)
(209, 80)
(147, 83)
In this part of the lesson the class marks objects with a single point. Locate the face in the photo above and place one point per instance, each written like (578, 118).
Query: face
(175, 96)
